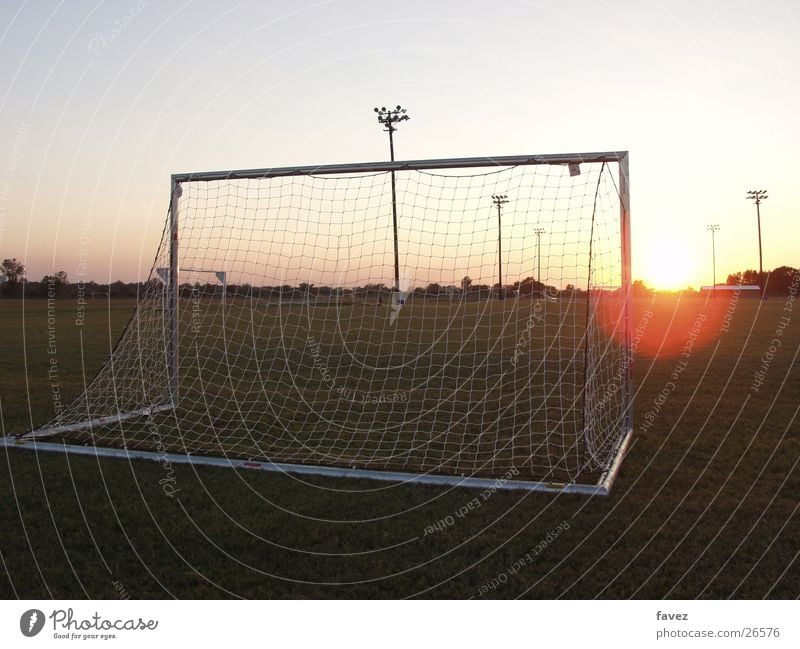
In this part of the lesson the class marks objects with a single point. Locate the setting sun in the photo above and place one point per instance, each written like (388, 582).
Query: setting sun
(668, 267)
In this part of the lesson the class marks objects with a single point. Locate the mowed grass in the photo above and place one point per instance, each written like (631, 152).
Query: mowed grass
(705, 504)
(476, 388)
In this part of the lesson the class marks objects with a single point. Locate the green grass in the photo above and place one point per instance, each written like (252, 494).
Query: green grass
(705, 505)
(431, 388)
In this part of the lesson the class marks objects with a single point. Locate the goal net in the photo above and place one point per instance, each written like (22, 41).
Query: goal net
(319, 317)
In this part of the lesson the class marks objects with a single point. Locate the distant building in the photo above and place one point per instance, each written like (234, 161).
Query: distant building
(745, 290)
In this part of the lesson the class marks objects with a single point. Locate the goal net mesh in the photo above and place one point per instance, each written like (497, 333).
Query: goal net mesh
(293, 345)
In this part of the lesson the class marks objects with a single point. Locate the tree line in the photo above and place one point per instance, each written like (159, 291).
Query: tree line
(15, 284)
(776, 281)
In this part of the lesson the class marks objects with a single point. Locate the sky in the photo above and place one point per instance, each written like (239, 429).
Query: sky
(101, 101)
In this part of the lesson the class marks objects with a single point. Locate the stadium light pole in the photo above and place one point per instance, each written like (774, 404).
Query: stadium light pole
(499, 200)
(389, 118)
(712, 229)
(539, 232)
(759, 195)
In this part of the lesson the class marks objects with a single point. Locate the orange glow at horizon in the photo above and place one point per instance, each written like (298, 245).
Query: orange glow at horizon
(668, 326)
(668, 267)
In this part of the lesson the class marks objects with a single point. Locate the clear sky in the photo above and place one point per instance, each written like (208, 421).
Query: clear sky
(102, 101)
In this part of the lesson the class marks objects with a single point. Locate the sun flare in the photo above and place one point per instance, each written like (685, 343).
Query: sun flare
(668, 268)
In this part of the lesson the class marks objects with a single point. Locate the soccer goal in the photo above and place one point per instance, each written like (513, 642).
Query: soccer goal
(459, 322)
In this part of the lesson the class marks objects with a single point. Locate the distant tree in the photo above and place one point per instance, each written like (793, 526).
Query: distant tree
(466, 282)
(54, 285)
(747, 278)
(529, 286)
(433, 289)
(14, 273)
(121, 289)
(12, 269)
(779, 280)
(640, 288)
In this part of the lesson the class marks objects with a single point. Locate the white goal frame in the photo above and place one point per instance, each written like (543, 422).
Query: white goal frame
(32, 439)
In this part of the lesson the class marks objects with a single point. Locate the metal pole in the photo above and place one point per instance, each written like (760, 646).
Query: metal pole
(758, 195)
(539, 259)
(713, 265)
(389, 118)
(539, 232)
(394, 217)
(625, 227)
(370, 167)
(173, 293)
(499, 200)
(760, 257)
(713, 230)
(499, 252)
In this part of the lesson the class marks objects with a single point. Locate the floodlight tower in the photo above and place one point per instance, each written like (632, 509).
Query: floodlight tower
(389, 118)
(539, 232)
(499, 200)
(712, 229)
(759, 195)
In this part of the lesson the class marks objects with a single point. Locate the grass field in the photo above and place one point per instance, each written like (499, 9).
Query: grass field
(705, 505)
(464, 388)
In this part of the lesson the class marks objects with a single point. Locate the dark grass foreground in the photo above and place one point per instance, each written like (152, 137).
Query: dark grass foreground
(706, 504)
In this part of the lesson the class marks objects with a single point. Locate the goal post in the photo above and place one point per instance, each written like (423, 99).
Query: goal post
(346, 344)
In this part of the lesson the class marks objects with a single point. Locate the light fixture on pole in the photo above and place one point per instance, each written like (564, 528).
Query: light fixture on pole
(712, 229)
(499, 200)
(539, 232)
(389, 118)
(759, 195)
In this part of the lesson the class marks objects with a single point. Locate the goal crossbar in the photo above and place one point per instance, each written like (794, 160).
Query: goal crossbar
(403, 165)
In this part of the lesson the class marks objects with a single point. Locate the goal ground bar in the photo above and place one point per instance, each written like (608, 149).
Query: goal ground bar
(602, 488)
(100, 421)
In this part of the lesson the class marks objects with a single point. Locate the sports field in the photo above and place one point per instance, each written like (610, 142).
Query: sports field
(705, 505)
(446, 386)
